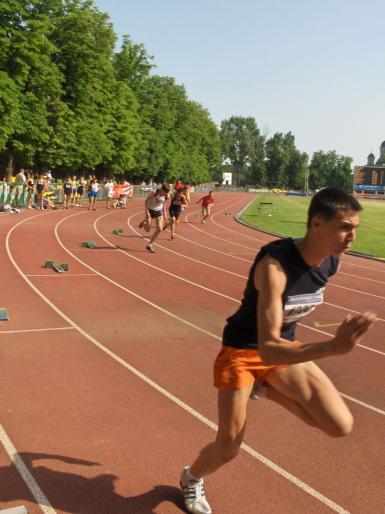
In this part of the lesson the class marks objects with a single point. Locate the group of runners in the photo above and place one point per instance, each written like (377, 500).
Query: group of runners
(155, 208)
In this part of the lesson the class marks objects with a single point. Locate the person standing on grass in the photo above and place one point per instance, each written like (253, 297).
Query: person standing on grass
(260, 355)
(207, 202)
(154, 207)
(94, 194)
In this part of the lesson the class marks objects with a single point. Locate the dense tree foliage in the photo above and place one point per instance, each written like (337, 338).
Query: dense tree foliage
(69, 101)
(243, 148)
(330, 169)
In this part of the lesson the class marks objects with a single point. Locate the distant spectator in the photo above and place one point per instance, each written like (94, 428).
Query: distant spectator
(41, 187)
(67, 192)
(94, 194)
(30, 188)
(109, 188)
(20, 178)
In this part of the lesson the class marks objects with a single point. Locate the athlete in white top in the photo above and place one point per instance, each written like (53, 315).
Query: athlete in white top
(155, 209)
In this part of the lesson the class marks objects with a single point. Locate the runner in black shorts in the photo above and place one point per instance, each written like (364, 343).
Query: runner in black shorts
(178, 202)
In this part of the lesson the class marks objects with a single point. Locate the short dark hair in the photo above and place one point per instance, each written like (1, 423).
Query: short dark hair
(328, 201)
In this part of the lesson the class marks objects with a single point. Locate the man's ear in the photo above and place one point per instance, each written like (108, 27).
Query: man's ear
(316, 221)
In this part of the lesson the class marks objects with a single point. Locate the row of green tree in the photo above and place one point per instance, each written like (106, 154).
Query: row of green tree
(69, 101)
(275, 162)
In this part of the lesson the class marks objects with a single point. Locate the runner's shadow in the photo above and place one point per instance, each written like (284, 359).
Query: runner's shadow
(70, 492)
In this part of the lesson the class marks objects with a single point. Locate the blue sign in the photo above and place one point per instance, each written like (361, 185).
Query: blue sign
(365, 187)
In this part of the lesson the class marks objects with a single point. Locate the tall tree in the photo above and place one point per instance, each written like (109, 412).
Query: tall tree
(32, 80)
(243, 147)
(330, 169)
(85, 40)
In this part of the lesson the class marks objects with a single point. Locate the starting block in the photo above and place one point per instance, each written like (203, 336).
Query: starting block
(118, 231)
(89, 244)
(15, 510)
(58, 268)
(4, 314)
(48, 264)
(64, 266)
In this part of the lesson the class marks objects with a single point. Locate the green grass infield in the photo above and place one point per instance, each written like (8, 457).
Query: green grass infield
(286, 216)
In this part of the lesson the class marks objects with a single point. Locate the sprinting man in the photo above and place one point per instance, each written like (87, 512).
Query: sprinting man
(178, 203)
(154, 206)
(207, 202)
(260, 351)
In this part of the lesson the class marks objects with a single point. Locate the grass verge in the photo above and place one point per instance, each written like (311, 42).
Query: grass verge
(286, 216)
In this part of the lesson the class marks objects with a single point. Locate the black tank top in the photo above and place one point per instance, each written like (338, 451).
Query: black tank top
(303, 292)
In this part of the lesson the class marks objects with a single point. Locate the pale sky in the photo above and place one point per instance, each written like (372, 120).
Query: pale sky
(313, 68)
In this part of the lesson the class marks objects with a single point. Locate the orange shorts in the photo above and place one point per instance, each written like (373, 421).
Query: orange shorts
(236, 368)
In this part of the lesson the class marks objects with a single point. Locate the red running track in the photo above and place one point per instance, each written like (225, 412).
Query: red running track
(106, 372)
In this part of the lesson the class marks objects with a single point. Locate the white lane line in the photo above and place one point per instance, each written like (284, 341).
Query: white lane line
(363, 404)
(65, 274)
(27, 330)
(181, 254)
(357, 290)
(344, 262)
(362, 278)
(125, 252)
(267, 462)
(221, 238)
(31, 483)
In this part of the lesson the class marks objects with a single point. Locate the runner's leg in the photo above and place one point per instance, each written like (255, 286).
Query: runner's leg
(232, 405)
(306, 391)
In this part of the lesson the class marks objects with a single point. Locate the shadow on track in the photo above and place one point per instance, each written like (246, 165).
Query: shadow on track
(70, 492)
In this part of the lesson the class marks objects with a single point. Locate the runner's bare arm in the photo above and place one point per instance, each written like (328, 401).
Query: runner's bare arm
(147, 201)
(270, 280)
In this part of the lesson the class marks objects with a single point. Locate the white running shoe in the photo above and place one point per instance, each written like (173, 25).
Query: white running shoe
(194, 494)
(150, 249)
